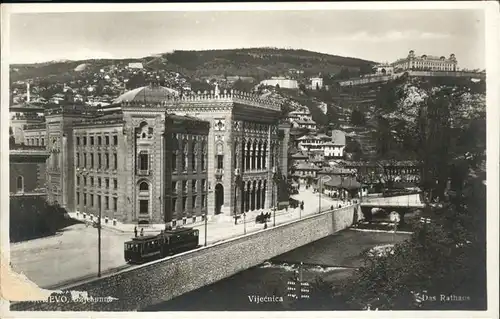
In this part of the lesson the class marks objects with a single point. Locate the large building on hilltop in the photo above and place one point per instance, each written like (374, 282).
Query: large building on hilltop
(157, 156)
(426, 62)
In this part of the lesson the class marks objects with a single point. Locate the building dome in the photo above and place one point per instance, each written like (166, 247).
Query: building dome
(146, 94)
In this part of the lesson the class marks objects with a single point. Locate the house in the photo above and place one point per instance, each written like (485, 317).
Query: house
(298, 158)
(302, 114)
(316, 83)
(343, 187)
(337, 171)
(335, 148)
(305, 172)
(135, 65)
(309, 142)
(331, 147)
(305, 123)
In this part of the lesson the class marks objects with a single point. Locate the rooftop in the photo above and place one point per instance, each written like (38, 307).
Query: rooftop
(204, 99)
(343, 182)
(299, 155)
(21, 151)
(146, 94)
(307, 166)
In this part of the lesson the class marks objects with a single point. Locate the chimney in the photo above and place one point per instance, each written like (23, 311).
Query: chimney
(27, 92)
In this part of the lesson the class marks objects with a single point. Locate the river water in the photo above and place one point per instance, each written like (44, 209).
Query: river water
(332, 259)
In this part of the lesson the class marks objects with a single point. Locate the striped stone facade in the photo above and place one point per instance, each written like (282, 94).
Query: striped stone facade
(228, 145)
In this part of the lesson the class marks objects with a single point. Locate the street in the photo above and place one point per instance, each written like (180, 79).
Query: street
(73, 254)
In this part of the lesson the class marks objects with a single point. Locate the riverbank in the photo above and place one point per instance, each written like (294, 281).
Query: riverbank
(332, 259)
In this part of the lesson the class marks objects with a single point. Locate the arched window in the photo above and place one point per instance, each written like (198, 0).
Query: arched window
(247, 154)
(194, 154)
(259, 155)
(203, 155)
(144, 186)
(20, 184)
(185, 158)
(264, 156)
(236, 155)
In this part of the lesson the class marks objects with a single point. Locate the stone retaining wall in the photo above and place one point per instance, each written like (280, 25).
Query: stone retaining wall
(162, 280)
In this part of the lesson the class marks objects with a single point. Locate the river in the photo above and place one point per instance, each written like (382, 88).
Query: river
(264, 287)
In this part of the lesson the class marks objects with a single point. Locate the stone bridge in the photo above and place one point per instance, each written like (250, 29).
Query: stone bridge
(146, 285)
(400, 204)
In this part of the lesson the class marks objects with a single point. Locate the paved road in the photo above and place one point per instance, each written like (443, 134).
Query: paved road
(73, 254)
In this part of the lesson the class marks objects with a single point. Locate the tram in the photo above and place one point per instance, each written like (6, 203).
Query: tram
(169, 242)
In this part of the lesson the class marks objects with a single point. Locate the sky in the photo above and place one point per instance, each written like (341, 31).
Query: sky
(381, 36)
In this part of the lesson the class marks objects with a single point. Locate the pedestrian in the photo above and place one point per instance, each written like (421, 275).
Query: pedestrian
(265, 225)
(142, 232)
(135, 231)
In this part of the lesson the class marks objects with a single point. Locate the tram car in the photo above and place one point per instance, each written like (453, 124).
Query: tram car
(169, 242)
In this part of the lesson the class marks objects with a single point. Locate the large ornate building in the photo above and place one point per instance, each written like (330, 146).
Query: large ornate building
(158, 157)
(426, 63)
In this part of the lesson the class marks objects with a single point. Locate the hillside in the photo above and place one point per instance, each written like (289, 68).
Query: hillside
(257, 62)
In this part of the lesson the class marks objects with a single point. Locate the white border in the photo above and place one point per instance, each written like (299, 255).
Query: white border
(491, 10)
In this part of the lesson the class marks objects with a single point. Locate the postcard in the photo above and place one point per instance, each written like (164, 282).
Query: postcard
(250, 159)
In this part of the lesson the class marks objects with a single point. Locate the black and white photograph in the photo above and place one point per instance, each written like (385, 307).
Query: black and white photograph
(250, 157)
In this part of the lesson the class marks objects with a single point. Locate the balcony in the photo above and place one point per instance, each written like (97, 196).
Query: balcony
(143, 172)
(219, 172)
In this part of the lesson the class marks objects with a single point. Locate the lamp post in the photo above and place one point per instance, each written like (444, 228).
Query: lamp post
(320, 190)
(206, 212)
(236, 182)
(274, 201)
(99, 243)
(206, 221)
(244, 223)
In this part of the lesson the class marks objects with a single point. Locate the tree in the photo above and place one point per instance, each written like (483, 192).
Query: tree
(365, 69)
(285, 109)
(302, 87)
(435, 121)
(439, 258)
(242, 86)
(344, 74)
(12, 141)
(354, 148)
(309, 180)
(34, 217)
(357, 118)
